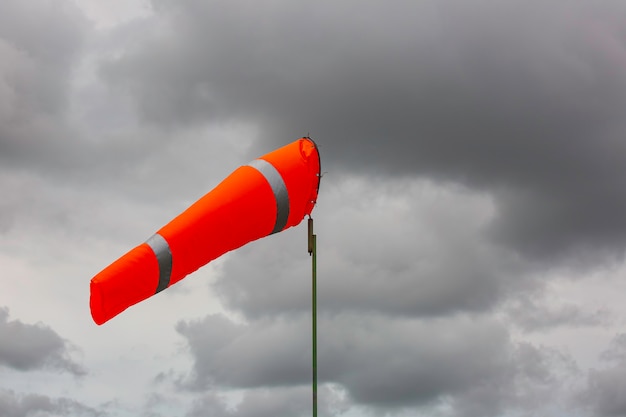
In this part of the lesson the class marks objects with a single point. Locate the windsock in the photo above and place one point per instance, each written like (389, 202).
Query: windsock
(270, 194)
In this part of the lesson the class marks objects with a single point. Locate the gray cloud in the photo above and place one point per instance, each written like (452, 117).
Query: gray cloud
(520, 99)
(16, 405)
(467, 363)
(538, 385)
(39, 43)
(58, 122)
(39, 47)
(531, 313)
(229, 354)
(293, 401)
(456, 137)
(27, 347)
(603, 393)
(405, 247)
(431, 269)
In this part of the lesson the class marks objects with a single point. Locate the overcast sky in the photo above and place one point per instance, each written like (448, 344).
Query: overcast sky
(471, 219)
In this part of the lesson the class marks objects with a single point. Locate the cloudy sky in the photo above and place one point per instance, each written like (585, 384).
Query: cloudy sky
(471, 220)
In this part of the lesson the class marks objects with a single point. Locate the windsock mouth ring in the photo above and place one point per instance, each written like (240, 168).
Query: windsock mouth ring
(319, 163)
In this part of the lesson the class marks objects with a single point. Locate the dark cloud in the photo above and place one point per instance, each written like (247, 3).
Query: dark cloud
(27, 347)
(522, 99)
(467, 363)
(57, 120)
(373, 276)
(17, 405)
(456, 137)
(538, 384)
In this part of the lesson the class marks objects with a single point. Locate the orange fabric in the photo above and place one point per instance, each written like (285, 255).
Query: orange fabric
(121, 279)
(242, 208)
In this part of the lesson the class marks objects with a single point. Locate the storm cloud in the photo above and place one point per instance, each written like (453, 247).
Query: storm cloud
(519, 99)
(470, 221)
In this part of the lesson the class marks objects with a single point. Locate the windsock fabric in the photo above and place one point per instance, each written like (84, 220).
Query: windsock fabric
(270, 194)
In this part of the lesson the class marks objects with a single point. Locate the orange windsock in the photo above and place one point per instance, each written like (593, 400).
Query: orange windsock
(270, 194)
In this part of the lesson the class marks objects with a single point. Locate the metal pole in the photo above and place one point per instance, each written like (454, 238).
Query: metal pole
(313, 252)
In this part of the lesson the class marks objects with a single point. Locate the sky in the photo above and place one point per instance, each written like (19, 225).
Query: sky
(470, 223)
